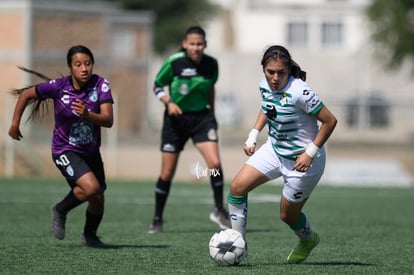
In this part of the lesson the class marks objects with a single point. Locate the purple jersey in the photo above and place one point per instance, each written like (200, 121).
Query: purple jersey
(71, 132)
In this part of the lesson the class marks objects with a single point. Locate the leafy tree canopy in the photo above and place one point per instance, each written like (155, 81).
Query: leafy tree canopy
(393, 30)
(172, 18)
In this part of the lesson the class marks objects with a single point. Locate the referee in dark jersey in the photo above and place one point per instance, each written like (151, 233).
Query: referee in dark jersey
(189, 113)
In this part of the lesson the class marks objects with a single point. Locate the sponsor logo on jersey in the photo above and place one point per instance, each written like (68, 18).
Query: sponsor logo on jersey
(271, 111)
(65, 99)
(312, 99)
(189, 72)
(81, 133)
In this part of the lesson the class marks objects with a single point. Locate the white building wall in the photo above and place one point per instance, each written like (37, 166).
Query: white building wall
(340, 74)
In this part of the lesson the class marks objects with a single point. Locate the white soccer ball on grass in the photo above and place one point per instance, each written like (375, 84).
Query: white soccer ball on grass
(227, 247)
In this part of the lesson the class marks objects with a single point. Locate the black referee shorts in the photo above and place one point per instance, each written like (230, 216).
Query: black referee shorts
(176, 130)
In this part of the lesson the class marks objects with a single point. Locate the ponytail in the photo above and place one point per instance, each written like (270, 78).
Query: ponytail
(296, 71)
(40, 107)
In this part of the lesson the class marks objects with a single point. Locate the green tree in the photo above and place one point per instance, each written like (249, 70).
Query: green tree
(393, 30)
(172, 18)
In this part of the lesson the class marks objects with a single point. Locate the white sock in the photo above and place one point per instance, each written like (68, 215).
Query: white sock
(238, 217)
(304, 233)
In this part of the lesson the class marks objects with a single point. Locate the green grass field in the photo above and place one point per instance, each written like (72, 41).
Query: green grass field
(363, 231)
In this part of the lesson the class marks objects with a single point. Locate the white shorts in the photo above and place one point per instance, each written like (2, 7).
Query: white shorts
(297, 185)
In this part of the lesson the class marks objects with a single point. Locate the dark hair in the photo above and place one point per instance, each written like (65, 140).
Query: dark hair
(40, 107)
(78, 49)
(194, 30)
(279, 52)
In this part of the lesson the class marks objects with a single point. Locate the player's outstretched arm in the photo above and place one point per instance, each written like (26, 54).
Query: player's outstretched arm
(22, 101)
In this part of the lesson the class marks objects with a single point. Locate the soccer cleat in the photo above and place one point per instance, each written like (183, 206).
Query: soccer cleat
(58, 223)
(303, 249)
(221, 217)
(91, 241)
(155, 226)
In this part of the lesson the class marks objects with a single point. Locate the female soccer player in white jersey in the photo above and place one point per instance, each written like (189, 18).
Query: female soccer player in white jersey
(294, 149)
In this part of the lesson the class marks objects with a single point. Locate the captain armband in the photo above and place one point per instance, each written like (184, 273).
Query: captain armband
(159, 92)
(311, 149)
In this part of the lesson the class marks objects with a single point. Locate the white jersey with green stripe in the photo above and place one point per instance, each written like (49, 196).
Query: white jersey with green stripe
(290, 116)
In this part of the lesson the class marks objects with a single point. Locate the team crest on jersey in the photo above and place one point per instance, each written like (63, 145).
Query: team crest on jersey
(283, 100)
(183, 89)
(105, 87)
(93, 95)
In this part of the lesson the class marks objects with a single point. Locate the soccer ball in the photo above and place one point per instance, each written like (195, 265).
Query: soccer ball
(227, 247)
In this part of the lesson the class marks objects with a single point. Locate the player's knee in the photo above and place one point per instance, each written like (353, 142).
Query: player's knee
(215, 165)
(92, 189)
(236, 188)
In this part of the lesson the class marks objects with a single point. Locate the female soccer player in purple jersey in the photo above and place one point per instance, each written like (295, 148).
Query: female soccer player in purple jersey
(82, 104)
(294, 149)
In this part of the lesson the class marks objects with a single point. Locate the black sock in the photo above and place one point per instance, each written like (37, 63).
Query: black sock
(216, 182)
(91, 224)
(68, 203)
(162, 191)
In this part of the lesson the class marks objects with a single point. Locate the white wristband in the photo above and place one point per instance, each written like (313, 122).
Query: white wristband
(252, 138)
(159, 92)
(311, 149)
